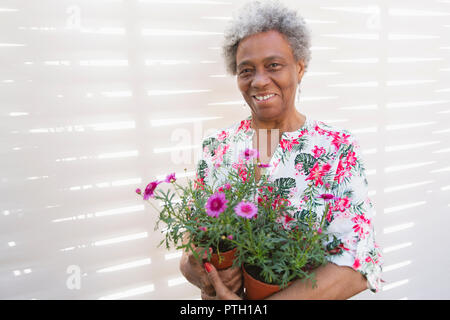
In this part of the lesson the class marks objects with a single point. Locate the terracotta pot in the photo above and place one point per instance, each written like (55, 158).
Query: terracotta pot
(227, 259)
(258, 290)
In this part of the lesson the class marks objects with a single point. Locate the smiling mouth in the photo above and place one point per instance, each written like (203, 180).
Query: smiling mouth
(263, 100)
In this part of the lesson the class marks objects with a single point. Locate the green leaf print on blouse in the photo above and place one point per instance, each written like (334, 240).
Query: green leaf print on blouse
(212, 144)
(307, 160)
(202, 166)
(305, 215)
(284, 186)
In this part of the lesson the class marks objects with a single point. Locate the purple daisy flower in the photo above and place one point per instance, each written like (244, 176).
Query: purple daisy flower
(216, 204)
(150, 189)
(327, 197)
(170, 178)
(248, 154)
(246, 209)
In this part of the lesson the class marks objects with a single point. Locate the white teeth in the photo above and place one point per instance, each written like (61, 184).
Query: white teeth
(264, 97)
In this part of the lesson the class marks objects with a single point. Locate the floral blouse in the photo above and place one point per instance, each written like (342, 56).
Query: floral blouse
(313, 160)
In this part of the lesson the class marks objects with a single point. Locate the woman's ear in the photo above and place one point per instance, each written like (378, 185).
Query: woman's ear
(300, 70)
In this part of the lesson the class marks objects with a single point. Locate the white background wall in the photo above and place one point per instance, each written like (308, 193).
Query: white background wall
(99, 97)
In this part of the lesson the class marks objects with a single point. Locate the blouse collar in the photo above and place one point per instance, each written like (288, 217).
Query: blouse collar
(250, 131)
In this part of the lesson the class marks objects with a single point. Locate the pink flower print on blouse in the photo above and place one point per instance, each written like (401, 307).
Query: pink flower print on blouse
(275, 165)
(302, 133)
(356, 264)
(362, 226)
(318, 151)
(316, 174)
(338, 139)
(342, 172)
(218, 155)
(222, 136)
(299, 168)
(342, 204)
(321, 131)
(245, 125)
(288, 144)
(350, 160)
(239, 165)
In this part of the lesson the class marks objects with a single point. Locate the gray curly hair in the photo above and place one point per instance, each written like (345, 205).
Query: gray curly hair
(260, 16)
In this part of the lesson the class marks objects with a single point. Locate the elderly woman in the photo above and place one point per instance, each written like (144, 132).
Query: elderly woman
(267, 47)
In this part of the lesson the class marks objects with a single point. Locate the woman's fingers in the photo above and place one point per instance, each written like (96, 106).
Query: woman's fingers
(232, 278)
(222, 291)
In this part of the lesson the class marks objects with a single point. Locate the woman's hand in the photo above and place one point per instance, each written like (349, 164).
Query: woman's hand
(224, 290)
(194, 271)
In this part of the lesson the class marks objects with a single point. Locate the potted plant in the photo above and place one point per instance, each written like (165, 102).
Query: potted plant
(280, 244)
(203, 215)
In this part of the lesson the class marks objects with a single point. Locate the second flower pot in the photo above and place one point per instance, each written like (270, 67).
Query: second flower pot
(256, 289)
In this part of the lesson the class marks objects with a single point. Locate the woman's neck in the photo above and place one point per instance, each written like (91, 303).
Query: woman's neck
(289, 122)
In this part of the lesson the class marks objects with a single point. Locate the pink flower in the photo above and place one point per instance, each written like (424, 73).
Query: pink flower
(342, 172)
(329, 216)
(218, 154)
(316, 174)
(150, 189)
(361, 226)
(288, 144)
(288, 218)
(239, 165)
(285, 221)
(356, 264)
(138, 191)
(249, 154)
(202, 228)
(318, 151)
(230, 237)
(351, 159)
(246, 209)
(245, 125)
(170, 178)
(338, 139)
(222, 136)
(227, 186)
(216, 204)
(342, 204)
(319, 130)
(264, 165)
(327, 197)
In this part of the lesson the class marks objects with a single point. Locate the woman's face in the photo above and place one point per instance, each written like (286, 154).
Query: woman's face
(266, 66)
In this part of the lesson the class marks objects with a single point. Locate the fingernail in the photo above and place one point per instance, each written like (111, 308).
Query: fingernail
(208, 267)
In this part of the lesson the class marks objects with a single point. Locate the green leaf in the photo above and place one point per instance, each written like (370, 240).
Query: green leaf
(307, 160)
(202, 166)
(212, 144)
(284, 186)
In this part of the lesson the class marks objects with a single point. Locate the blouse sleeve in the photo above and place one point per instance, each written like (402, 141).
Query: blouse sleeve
(352, 237)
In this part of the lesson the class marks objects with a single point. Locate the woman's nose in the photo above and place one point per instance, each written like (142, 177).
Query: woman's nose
(260, 79)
